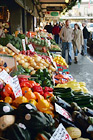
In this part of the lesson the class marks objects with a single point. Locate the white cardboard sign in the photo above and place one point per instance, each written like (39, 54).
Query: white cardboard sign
(6, 77)
(60, 134)
(13, 82)
(16, 87)
(31, 47)
(24, 45)
(62, 112)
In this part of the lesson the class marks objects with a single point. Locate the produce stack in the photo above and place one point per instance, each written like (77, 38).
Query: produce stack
(47, 100)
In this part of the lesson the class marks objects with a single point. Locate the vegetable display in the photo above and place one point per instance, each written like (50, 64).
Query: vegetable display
(41, 107)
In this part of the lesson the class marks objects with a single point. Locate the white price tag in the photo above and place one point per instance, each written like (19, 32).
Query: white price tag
(62, 112)
(30, 34)
(31, 47)
(16, 87)
(60, 134)
(24, 45)
(49, 43)
(6, 77)
(53, 62)
(26, 40)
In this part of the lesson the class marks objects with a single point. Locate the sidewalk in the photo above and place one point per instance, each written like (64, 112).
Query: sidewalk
(83, 71)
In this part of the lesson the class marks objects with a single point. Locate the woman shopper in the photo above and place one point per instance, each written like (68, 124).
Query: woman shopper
(56, 31)
(77, 41)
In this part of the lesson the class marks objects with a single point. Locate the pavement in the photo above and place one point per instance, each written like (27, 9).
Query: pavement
(83, 71)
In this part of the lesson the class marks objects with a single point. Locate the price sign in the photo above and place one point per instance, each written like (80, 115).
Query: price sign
(62, 112)
(31, 47)
(26, 40)
(16, 87)
(6, 77)
(24, 45)
(60, 134)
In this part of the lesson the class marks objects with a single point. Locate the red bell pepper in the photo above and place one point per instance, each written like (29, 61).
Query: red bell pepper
(25, 84)
(48, 89)
(22, 80)
(38, 89)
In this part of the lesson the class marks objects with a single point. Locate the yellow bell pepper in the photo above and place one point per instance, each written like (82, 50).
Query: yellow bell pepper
(42, 105)
(19, 100)
(32, 101)
(8, 100)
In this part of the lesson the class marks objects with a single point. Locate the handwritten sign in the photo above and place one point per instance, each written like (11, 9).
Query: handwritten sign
(16, 87)
(31, 47)
(62, 112)
(23, 44)
(6, 77)
(60, 134)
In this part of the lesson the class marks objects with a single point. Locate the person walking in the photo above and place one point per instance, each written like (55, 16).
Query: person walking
(66, 34)
(56, 31)
(86, 37)
(77, 41)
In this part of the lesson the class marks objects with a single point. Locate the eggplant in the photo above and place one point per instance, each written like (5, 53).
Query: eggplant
(80, 120)
(66, 122)
(88, 111)
(64, 104)
(90, 131)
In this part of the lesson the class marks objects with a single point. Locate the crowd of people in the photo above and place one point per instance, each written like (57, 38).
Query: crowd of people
(69, 38)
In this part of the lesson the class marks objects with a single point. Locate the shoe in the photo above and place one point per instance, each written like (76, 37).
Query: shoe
(75, 60)
(69, 63)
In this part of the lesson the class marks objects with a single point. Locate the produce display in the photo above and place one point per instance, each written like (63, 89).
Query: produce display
(48, 95)
(75, 86)
(60, 60)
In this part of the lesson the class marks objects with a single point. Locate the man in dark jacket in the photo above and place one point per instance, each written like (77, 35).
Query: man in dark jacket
(86, 37)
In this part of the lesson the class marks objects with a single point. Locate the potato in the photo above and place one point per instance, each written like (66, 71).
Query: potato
(6, 121)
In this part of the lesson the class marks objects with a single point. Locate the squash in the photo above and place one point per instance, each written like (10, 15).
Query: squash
(5, 109)
(25, 108)
(82, 139)
(6, 121)
(74, 132)
(17, 132)
(38, 121)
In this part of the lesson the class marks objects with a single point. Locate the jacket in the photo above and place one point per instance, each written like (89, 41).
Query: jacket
(55, 30)
(77, 40)
(66, 34)
(85, 33)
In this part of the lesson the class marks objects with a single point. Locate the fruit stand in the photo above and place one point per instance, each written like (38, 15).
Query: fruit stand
(39, 98)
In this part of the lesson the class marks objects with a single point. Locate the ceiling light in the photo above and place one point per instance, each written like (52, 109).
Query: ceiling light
(66, 1)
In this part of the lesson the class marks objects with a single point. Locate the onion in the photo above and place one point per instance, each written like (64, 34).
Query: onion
(17, 58)
(7, 69)
(33, 72)
(21, 61)
(25, 65)
(31, 68)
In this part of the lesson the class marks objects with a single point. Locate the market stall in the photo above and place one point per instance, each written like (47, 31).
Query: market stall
(39, 98)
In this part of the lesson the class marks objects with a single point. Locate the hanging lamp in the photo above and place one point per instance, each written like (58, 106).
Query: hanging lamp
(67, 1)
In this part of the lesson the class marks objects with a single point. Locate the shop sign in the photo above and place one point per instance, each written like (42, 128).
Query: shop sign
(60, 134)
(54, 13)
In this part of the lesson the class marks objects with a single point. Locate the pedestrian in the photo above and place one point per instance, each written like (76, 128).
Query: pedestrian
(77, 41)
(2, 34)
(49, 28)
(46, 27)
(66, 34)
(60, 27)
(86, 37)
(56, 31)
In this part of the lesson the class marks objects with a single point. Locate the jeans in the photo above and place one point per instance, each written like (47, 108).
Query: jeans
(64, 47)
(56, 37)
(76, 53)
(85, 47)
